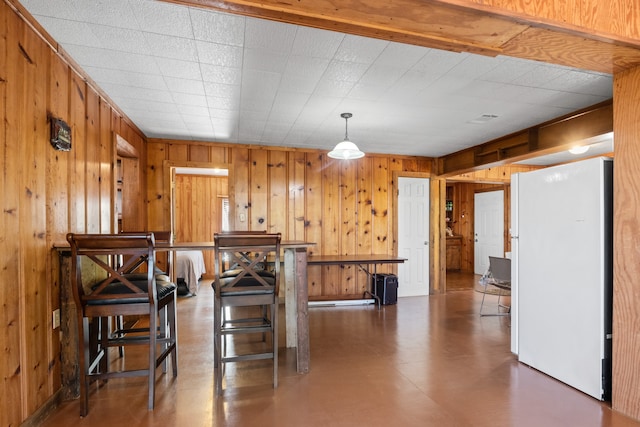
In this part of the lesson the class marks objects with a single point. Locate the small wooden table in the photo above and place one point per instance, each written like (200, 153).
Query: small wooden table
(364, 262)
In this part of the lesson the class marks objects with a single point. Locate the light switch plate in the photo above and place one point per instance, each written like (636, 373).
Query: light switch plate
(56, 319)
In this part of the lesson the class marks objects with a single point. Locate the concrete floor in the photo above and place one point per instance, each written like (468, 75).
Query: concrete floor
(426, 361)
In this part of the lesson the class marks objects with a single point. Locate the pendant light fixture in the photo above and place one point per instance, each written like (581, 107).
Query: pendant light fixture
(346, 149)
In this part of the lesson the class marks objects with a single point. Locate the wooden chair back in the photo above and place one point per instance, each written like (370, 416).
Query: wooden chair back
(98, 279)
(248, 255)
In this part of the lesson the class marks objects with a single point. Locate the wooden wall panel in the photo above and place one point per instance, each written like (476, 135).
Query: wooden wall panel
(331, 275)
(364, 215)
(32, 216)
(77, 209)
(259, 190)
(380, 206)
(11, 87)
(45, 194)
(93, 161)
(158, 213)
(626, 257)
(313, 218)
(297, 191)
(306, 196)
(57, 203)
(241, 205)
(106, 170)
(278, 199)
(348, 223)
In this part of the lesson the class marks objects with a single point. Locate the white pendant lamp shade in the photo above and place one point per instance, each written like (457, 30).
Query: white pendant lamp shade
(346, 149)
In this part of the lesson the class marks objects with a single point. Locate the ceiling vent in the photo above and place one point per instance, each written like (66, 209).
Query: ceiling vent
(483, 118)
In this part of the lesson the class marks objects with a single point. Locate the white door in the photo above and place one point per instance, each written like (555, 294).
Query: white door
(488, 228)
(413, 236)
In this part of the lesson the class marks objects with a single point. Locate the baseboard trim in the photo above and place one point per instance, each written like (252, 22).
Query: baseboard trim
(44, 411)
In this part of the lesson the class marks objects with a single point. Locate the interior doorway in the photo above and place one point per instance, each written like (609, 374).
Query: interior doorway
(199, 204)
(413, 236)
(488, 228)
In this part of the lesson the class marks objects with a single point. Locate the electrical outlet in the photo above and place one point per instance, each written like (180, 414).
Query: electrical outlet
(56, 318)
(243, 218)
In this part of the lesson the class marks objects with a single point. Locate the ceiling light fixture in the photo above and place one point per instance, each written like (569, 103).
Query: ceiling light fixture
(346, 150)
(580, 149)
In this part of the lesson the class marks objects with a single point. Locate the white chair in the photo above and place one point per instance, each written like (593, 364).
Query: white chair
(498, 277)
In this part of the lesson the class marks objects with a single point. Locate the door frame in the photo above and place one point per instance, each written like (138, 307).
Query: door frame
(169, 167)
(436, 208)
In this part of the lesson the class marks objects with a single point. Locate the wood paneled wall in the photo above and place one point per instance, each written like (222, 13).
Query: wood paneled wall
(626, 256)
(45, 194)
(344, 207)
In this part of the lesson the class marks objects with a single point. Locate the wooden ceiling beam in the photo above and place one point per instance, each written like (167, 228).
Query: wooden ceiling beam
(414, 22)
(461, 27)
(549, 137)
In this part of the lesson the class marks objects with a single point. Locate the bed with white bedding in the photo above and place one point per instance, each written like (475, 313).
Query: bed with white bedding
(190, 267)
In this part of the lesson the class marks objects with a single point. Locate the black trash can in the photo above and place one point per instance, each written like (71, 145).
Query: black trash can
(386, 288)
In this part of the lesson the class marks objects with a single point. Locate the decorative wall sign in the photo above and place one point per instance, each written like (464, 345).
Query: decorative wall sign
(60, 135)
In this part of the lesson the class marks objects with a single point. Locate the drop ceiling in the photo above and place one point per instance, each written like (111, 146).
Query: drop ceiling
(192, 74)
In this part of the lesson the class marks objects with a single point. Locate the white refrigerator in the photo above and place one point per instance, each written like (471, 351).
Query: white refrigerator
(562, 272)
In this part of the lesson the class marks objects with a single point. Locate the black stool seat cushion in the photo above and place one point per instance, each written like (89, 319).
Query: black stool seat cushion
(236, 271)
(163, 289)
(247, 285)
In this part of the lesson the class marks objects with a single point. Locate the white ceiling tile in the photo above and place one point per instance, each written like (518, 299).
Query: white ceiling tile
(220, 90)
(148, 107)
(172, 47)
(148, 81)
(315, 43)
(345, 71)
(302, 66)
(439, 62)
(40, 8)
(132, 62)
(180, 69)
(382, 75)
(114, 13)
(220, 103)
(259, 84)
(121, 39)
(218, 74)
(299, 84)
(179, 85)
(219, 54)
(88, 56)
(401, 55)
(269, 35)
(216, 27)
(195, 113)
(475, 66)
(120, 91)
(162, 18)
(189, 99)
(360, 49)
(255, 59)
(69, 31)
